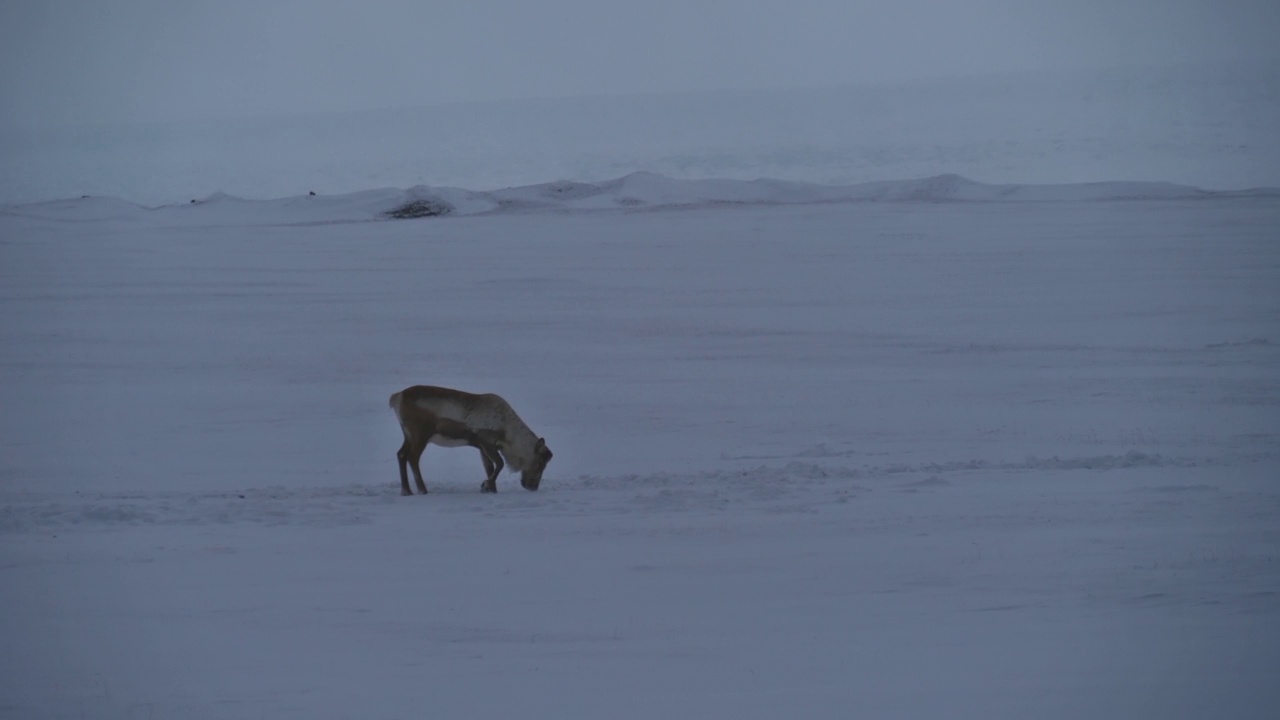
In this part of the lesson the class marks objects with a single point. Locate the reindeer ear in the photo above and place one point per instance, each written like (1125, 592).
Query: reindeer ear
(540, 445)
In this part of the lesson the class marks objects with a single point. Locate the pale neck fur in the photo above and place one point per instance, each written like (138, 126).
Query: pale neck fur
(520, 441)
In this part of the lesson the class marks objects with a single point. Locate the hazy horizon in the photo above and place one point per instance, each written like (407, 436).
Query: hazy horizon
(78, 62)
(957, 80)
(1210, 128)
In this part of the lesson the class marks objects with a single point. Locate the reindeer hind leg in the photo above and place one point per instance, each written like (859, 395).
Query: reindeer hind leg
(402, 458)
(416, 446)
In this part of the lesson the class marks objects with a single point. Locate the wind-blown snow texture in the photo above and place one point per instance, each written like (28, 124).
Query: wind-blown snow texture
(888, 457)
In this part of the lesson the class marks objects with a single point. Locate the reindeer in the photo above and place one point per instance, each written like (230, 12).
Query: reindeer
(452, 418)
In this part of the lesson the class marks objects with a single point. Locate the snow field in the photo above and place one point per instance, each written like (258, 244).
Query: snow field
(893, 459)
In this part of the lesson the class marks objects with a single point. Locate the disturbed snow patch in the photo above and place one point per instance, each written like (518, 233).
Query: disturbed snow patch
(800, 485)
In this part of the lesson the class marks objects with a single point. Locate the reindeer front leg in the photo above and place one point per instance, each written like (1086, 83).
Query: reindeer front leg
(492, 467)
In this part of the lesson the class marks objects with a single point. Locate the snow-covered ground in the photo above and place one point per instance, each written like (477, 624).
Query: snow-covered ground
(920, 449)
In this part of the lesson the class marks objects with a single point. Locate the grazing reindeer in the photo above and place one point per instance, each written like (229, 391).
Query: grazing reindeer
(453, 418)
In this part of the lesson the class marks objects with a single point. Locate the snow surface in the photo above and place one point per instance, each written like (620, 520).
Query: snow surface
(819, 453)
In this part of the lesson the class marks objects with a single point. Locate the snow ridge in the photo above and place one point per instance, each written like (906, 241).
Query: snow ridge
(640, 190)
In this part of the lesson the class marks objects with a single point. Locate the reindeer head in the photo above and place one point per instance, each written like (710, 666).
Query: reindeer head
(532, 475)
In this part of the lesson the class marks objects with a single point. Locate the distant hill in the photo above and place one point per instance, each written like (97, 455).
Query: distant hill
(1207, 126)
(637, 191)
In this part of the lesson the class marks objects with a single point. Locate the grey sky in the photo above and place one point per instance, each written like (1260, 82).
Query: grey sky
(70, 61)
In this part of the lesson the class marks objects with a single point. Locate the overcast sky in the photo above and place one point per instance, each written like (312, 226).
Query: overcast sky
(70, 61)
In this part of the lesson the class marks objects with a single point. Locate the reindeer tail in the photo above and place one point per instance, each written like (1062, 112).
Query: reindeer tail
(394, 403)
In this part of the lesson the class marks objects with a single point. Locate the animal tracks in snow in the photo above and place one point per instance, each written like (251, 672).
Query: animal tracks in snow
(796, 486)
